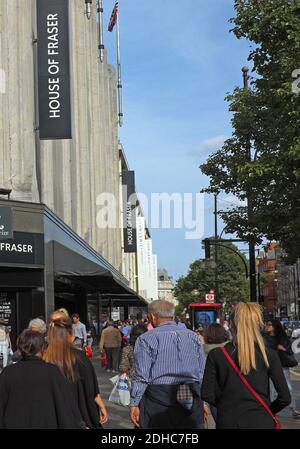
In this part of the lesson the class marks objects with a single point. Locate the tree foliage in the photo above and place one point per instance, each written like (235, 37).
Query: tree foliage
(233, 285)
(266, 118)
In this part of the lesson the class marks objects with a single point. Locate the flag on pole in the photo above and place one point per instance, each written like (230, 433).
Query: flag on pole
(100, 29)
(113, 18)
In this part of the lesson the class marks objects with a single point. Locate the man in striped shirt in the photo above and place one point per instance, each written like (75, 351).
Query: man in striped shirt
(169, 370)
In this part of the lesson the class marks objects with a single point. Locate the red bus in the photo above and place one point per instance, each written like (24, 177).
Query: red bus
(204, 313)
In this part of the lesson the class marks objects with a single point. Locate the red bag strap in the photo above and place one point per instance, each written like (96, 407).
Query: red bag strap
(244, 380)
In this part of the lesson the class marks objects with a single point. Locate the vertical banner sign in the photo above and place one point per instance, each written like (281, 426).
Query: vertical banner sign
(129, 211)
(54, 69)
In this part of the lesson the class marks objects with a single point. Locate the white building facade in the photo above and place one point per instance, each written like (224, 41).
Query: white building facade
(166, 287)
(146, 263)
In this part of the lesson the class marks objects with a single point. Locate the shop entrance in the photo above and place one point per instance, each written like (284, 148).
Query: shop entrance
(21, 298)
(18, 308)
(72, 297)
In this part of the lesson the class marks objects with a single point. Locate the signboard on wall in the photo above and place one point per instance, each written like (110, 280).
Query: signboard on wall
(54, 69)
(6, 225)
(129, 211)
(115, 314)
(23, 249)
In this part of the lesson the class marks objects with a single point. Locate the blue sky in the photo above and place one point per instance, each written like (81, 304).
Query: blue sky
(178, 62)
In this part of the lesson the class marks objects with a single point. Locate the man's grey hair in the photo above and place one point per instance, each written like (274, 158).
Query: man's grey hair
(38, 323)
(162, 309)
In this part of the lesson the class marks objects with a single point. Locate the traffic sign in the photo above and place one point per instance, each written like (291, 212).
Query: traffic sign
(210, 298)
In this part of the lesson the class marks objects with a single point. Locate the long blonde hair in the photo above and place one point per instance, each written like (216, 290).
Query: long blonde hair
(249, 324)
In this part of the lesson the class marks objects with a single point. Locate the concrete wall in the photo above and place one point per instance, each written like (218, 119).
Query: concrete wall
(73, 172)
(17, 137)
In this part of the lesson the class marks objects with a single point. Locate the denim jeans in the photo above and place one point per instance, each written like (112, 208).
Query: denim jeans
(273, 394)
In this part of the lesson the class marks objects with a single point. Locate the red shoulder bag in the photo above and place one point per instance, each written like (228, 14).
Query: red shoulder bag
(277, 423)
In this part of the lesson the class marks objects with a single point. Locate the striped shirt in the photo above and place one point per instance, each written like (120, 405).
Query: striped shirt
(166, 355)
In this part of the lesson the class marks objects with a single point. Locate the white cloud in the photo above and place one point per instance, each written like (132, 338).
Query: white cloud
(209, 146)
(230, 201)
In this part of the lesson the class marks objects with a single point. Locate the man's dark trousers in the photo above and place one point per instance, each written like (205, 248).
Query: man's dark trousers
(112, 355)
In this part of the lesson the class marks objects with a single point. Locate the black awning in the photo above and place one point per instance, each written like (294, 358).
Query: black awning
(72, 265)
(126, 299)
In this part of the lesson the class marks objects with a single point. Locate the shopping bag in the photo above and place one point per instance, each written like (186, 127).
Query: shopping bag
(103, 360)
(121, 391)
(114, 379)
(88, 351)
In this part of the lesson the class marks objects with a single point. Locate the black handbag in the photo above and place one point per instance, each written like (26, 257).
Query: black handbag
(287, 360)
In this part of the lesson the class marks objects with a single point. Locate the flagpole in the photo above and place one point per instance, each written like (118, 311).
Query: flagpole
(100, 26)
(119, 73)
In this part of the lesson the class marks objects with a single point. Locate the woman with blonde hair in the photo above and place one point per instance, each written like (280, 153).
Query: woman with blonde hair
(77, 370)
(237, 376)
(60, 314)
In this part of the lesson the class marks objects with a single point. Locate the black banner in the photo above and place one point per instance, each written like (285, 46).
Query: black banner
(23, 249)
(54, 69)
(129, 211)
(6, 226)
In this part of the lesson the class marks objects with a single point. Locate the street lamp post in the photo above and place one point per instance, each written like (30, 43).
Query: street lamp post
(252, 261)
(216, 249)
(212, 242)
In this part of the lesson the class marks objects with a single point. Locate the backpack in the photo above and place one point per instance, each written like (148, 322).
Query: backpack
(2, 334)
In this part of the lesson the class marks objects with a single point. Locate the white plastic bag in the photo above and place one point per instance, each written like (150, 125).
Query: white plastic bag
(121, 391)
(114, 379)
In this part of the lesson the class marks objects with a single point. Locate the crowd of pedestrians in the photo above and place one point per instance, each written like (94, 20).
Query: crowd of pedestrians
(237, 371)
(51, 383)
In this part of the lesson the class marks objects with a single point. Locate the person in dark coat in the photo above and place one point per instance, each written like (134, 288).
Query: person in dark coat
(78, 371)
(276, 338)
(86, 392)
(34, 394)
(236, 407)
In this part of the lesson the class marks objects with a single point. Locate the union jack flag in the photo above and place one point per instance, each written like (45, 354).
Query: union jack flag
(113, 18)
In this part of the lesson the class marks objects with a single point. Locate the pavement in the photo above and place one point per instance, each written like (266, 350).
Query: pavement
(287, 421)
(119, 415)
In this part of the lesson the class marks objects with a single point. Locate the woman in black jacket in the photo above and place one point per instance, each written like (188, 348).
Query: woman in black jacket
(34, 394)
(277, 339)
(78, 371)
(236, 407)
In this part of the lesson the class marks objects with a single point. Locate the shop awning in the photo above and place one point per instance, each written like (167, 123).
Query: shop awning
(120, 300)
(109, 283)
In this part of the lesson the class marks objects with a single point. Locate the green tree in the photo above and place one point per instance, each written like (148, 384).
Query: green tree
(266, 117)
(233, 285)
